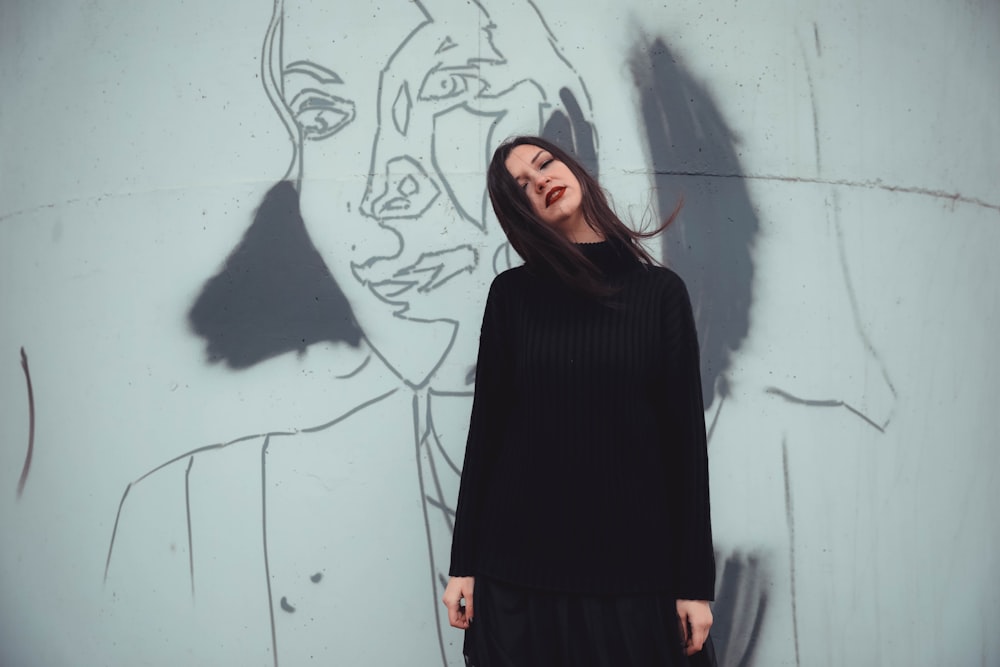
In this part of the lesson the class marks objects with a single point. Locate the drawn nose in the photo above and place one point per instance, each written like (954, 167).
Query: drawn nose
(405, 190)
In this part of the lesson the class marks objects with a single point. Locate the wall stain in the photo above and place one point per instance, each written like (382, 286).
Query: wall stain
(790, 518)
(31, 425)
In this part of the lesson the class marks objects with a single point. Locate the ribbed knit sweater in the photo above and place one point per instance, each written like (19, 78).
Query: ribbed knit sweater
(586, 467)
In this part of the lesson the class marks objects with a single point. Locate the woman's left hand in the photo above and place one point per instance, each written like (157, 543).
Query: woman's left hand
(695, 618)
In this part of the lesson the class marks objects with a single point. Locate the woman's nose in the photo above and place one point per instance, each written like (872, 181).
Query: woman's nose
(540, 181)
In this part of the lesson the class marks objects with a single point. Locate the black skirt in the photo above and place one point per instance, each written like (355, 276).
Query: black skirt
(518, 627)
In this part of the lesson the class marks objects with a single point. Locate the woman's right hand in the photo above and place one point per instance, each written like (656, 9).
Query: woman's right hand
(459, 588)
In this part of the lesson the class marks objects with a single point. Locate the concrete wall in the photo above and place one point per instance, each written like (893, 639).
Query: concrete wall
(243, 255)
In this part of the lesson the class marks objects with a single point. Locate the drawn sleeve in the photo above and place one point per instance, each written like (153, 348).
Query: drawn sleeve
(694, 557)
(486, 427)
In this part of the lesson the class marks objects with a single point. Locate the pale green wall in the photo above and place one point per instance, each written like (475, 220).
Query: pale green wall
(839, 163)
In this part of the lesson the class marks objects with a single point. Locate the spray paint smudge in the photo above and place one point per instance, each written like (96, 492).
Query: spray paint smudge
(31, 425)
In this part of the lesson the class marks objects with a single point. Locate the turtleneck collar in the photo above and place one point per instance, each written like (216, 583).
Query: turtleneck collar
(609, 257)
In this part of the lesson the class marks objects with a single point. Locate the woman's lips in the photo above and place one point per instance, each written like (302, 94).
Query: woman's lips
(554, 195)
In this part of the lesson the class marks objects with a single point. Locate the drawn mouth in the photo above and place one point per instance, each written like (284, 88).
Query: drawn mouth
(430, 271)
(391, 290)
(554, 195)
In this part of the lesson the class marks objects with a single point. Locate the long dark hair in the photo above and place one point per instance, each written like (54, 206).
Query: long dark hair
(542, 248)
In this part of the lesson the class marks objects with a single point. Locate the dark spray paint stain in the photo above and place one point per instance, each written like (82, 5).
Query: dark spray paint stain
(740, 607)
(710, 243)
(316, 578)
(274, 293)
(285, 606)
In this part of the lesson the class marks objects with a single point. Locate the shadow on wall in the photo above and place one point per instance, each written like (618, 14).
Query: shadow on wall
(693, 155)
(274, 294)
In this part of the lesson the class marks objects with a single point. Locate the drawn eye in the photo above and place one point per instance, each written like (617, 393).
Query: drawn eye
(442, 84)
(320, 114)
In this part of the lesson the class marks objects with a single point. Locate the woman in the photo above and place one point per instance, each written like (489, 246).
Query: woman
(582, 534)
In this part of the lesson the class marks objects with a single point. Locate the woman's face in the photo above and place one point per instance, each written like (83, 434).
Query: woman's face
(551, 188)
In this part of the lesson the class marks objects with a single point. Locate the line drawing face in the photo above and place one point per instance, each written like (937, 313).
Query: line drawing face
(383, 223)
(421, 245)
(421, 240)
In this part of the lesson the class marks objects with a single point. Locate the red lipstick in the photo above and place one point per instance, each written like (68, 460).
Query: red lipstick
(554, 195)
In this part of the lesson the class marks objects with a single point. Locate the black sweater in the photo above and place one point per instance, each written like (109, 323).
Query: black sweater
(586, 467)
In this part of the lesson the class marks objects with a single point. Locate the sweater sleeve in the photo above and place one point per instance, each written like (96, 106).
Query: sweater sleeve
(694, 557)
(486, 426)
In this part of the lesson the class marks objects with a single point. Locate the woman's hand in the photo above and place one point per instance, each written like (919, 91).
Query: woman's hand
(459, 588)
(696, 618)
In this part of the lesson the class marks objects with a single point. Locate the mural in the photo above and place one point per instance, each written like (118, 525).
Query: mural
(261, 450)
(405, 255)
(395, 265)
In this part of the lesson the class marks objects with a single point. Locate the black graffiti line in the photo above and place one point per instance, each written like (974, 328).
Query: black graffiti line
(114, 530)
(31, 425)
(823, 403)
(431, 433)
(457, 469)
(812, 100)
(455, 199)
(439, 504)
(205, 448)
(434, 281)
(447, 459)
(790, 519)
(437, 392)
(273, 83)
(853, 299)
(870, 184)
(128, 487)
(187, 506)
(357, 370)
(427, 378)
(352, 411)
(554, 45)
(427, 528)
(221, 445)
(267, 564)
(440, 501)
